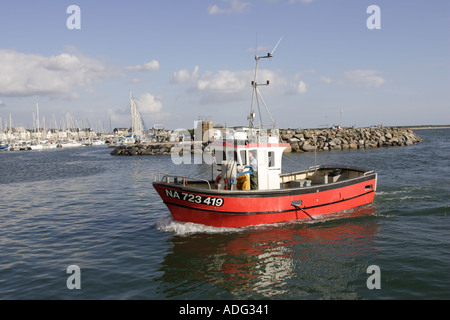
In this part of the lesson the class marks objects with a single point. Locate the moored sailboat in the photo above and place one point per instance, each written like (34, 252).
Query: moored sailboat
(69, 143)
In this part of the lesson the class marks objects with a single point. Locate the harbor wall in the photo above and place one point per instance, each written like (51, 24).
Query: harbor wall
(144, 149)
(307, 140)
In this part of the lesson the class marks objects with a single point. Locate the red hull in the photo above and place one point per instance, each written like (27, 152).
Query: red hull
(240, 208)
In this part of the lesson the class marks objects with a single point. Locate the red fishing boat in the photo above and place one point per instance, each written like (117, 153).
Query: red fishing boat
(250, 188)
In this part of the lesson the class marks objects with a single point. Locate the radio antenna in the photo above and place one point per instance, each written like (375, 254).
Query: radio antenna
(256, 94)
(276, 46)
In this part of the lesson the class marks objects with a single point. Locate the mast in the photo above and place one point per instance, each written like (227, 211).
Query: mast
(37, 123)
(10, 129)
(132, 115)
(256, 95)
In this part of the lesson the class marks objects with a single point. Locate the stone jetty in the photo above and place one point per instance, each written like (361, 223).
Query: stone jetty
(305, 140)
(144, 149)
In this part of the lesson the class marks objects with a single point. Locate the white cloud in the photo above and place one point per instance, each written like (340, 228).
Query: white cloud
(135, 80)
(149, 66)
(223, 81)
(236, 6)
(301, 88)
(148, 103)
(225, 85)
(24, 75)
(221, 86)
(184, 76)
(365, 78)
(150, 107)
(296, 85)
(368, 78)
(326, 79)
(2, 104)
(298, 88)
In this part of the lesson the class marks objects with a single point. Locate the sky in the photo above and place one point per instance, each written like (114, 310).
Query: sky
(338, 62)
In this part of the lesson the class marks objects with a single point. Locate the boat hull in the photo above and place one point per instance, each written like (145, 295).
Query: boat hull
(223, 208)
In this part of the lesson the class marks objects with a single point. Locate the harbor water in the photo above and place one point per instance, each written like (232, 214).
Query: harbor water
(84, 207)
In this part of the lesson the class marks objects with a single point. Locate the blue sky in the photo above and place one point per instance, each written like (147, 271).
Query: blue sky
(188, 59)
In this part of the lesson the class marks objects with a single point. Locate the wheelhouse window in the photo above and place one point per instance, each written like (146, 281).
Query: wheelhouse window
(243, 157)
(271, 159)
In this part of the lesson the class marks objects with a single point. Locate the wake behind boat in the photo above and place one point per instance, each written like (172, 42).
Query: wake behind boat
(250, 188)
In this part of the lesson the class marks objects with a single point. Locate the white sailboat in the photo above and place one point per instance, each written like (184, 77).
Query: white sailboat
(98, 142)
(138, 128)
(69, 143)
(35, 143)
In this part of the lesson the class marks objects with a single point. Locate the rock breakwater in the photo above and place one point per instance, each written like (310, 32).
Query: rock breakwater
(143, 149)
(307, 140)
(303, 140)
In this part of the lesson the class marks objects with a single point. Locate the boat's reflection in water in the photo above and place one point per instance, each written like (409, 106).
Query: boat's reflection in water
(324, 258)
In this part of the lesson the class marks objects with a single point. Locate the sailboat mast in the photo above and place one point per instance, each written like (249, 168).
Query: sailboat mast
(131, 113)
(37, 123)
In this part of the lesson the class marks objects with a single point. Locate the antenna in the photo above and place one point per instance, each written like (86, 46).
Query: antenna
(256, 95)
(270, 54)
(256, 45)
(276, 46)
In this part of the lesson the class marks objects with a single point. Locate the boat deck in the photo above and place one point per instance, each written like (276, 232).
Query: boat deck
(313, 176)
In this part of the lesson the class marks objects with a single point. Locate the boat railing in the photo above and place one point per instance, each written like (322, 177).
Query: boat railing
(314, 168)
(176, 179)
(363, 170)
